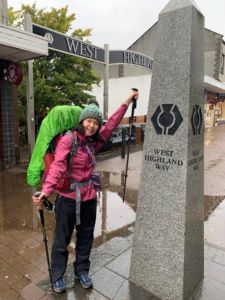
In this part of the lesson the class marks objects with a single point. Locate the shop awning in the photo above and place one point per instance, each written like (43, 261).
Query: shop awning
(18, 45)
(213, 85)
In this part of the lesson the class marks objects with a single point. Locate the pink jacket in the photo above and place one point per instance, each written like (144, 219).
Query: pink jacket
(82, 165)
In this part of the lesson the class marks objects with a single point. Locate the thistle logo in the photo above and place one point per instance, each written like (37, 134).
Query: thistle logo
(166, 119)
(196, 119)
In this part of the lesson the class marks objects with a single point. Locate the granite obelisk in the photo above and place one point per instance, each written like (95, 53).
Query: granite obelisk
(167, 258)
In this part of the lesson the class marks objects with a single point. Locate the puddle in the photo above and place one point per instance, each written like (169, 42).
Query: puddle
(113, 215)
(17, 211)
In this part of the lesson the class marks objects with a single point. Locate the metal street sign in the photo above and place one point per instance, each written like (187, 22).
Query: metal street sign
(69, 45)
(130, 57)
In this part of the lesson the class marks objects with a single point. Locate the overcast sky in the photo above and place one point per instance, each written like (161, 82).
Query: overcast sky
(120, 22)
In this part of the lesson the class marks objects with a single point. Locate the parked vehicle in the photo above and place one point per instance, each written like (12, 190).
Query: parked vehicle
(117, 136)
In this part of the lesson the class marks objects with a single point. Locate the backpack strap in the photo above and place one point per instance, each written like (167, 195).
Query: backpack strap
(73, 150)
(74, 185)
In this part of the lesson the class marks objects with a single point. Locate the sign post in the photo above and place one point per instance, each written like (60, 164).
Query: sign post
(30, 94)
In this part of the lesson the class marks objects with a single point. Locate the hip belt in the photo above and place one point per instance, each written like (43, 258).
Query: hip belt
(75, 185)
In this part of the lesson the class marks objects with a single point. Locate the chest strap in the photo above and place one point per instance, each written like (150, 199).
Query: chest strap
(75, 185)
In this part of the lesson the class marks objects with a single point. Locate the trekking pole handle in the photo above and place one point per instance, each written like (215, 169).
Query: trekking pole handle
(40, 207)
(47, 204)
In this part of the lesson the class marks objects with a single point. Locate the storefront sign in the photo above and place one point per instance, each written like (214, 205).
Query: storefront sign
(13, 73)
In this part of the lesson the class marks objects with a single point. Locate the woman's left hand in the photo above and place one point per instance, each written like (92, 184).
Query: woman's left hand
(130, 99)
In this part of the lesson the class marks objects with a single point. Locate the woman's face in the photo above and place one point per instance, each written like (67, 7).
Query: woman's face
(90, 126)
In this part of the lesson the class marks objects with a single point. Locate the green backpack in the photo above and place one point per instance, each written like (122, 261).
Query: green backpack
(59, 119)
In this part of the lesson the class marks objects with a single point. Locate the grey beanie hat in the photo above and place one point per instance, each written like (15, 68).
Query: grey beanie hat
(91, 111)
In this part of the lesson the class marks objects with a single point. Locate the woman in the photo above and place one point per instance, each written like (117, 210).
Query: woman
(90, 136)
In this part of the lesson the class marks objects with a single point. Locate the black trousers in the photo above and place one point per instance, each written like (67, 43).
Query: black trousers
(65, 211)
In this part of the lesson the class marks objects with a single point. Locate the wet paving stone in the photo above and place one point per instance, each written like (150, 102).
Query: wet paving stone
(215, 271)
(20, 284)
(31, 291)
(10, 293)
(107, 282)
(214, 226)
(209, 252)
(209, 289)
(121, 264)
(99, 259)
(115, 246)
(123, 291)
(219, 257)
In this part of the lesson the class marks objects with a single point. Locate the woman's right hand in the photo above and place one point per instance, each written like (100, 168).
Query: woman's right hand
(38, 200)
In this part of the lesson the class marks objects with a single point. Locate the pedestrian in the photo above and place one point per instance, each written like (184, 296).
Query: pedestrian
(91, 135)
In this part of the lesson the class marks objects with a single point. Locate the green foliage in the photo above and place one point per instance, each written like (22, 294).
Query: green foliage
(58, 78)
(12, 16)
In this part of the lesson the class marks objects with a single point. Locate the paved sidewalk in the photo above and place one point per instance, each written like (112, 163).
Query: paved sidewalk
(110, 272)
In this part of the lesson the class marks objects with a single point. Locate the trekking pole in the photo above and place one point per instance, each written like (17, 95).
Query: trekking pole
(45, 240)
(134, 105)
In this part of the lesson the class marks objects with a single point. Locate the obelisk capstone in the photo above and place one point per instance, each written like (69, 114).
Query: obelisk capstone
(167, 258)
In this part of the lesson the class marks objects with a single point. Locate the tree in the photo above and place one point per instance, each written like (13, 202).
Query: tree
(58, 78)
